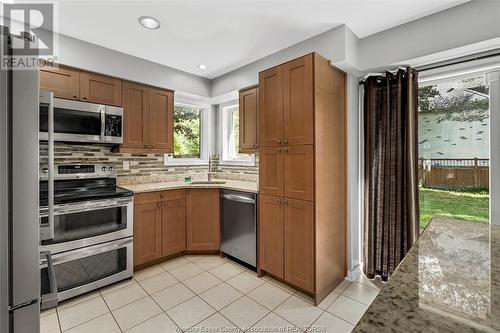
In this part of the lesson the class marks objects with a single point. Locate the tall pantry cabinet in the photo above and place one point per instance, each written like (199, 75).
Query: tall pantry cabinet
(302, 174)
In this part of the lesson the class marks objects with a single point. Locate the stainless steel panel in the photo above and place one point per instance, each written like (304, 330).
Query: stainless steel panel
(27, 319)
(90, 251)
(49, 300)
(239, 226)
(25, 234)
(4, 188)
(77, 105)
(87, 206)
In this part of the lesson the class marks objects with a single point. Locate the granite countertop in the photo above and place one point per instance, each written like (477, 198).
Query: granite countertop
(448, 282)
(237, 185)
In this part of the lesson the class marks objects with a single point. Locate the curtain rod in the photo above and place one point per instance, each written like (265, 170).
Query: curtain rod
(461, 60)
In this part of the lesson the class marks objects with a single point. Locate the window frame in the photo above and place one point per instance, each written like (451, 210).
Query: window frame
(205, 121)
(225, 125)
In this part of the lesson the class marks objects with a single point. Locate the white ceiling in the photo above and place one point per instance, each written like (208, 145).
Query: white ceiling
(225, 35)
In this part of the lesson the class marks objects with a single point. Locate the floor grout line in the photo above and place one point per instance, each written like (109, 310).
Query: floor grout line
(111, 312)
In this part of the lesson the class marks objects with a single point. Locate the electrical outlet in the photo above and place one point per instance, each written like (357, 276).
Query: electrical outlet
(126, 165)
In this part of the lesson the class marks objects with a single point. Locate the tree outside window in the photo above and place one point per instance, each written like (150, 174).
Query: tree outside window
(187, 131)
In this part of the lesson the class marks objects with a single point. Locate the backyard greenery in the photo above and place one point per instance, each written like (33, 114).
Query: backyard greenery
(470, 205)
(187, 121)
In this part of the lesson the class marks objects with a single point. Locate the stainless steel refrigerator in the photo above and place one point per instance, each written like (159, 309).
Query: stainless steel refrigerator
(19, 234)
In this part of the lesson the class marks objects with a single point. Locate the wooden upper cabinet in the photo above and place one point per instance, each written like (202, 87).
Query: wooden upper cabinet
(161, 120)
(249, 100)
(299, 243)
(147, 233)
(203, 219)
(136, 116)
(102, 89)
(271, 107)
(64, 82)
(298, 106)
(173, 229)
(271, 170)
(298, 172)
(271, 234)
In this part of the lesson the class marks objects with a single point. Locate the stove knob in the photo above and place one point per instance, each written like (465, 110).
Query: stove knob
(110, 168)
(45, 171)
(104, 169)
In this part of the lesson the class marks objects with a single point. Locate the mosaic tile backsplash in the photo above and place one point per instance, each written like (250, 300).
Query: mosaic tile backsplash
(144, 167)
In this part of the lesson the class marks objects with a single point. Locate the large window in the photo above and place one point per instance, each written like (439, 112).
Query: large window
(191, 135)
(230, 125)
(453, 146)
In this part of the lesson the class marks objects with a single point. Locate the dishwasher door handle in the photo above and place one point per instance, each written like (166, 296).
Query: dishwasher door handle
(239, 198)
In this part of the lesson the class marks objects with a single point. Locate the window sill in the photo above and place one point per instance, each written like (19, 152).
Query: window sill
(238, 162)
(168, 161)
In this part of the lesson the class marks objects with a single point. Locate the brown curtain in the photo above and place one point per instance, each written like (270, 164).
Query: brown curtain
(391, 193)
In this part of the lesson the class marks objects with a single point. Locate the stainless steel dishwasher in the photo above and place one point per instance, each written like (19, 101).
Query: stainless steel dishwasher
(239, 226)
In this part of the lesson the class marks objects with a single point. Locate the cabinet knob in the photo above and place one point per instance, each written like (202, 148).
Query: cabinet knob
(285, 202)
(285, 141)
(278, 150)
(162, 195)
(145, 146)
(75, 97)
(278, 142)
(151, 146)
(84, 97)
(278, 201)
(158, 205)
(165, 204)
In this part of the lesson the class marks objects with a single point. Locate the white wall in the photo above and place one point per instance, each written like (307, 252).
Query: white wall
(330, 44)
(472, 23)
(84, 55)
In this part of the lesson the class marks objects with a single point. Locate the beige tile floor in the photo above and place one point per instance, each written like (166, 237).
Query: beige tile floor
(208, 294)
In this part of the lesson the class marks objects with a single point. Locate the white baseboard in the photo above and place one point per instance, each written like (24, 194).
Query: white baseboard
(354, 274)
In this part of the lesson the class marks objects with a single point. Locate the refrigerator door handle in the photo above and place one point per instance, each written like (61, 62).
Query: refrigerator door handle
(49, 300)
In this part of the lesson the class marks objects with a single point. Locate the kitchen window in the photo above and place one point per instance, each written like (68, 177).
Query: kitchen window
(230, 125)
(191, 135)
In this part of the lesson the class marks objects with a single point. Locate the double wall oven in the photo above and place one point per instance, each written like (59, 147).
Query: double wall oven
(88, 242)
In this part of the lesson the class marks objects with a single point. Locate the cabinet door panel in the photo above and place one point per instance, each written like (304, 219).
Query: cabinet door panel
(271, 107)
(136, 116)
(147, 233)
(97, 88)
(271, 170)
(299, 243)
(63, 82)
(249, 120)
(203, 219)
(161, 120)
(298, 101)
(173, 228)
(271, 234)
(299, 172)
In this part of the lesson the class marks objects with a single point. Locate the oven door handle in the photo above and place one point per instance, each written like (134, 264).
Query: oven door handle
(86, 207)
(86, 252)
(49, 300)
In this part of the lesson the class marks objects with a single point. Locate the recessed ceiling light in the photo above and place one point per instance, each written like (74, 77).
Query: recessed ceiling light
(202, 67)
(149, 22)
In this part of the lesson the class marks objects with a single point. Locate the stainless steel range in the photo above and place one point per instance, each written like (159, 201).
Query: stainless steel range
(88, 243)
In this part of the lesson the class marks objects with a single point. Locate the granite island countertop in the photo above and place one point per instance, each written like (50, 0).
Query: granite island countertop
(237, 185)
(448, 282)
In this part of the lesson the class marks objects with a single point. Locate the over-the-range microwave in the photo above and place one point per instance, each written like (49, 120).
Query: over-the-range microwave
(76, 121)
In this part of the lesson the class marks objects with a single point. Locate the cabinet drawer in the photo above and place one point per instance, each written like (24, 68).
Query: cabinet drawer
(157, 196)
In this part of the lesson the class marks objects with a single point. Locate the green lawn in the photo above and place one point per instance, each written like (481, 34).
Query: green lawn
(463, 205)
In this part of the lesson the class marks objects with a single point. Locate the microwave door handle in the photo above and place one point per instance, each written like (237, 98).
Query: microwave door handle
(103, 122)
(51, 165)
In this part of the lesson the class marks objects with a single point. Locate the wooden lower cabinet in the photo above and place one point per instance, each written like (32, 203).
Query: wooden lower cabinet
(271, 234)
(299, 243)
(147, 232)
(203, 219)
(173, 227)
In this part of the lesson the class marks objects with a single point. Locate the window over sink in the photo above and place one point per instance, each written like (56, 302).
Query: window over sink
(191, 135)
